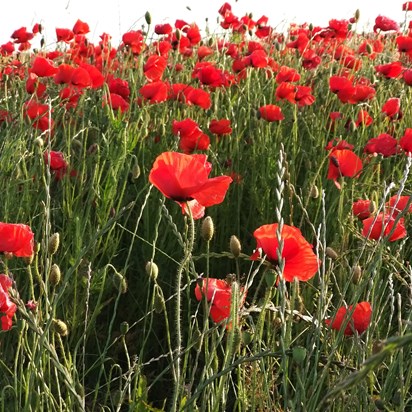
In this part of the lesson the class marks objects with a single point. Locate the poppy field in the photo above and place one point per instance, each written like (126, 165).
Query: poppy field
(196, 221)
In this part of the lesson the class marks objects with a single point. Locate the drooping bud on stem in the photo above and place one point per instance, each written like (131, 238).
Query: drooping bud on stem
(152, 270)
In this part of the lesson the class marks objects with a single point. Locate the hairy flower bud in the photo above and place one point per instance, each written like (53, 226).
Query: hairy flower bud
(152, 270)
(55, 275)
(207, 229)
(60, 327)
(54, 242)
(235, 246)
(331, 253)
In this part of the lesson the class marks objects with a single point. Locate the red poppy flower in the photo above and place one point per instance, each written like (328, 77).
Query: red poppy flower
(407, 6)
(404, 44)
(218, 293)
(7, 49)
(384, 144)
(343, 163)
(287, 74)
(154, 68)
(362, 208)
(80, 78)
(57, 163)
(356, 319)
(120, 87)
(134, 40)
(220, 127)
(303, 96)
(43, 67)
(300, 261)
(155, 92)
(81, 27)
(21, 35)
(270, 113)
(407, 77)
(310, 60)
(399, 204)
(286, 91)
(163, 28)
(65, 35)
(209, 75)
(7, 307)
(17, 239)
(259, 59)
(383, 23)
(95, 74)
(64, 74)
(33, 85)
(392, 108)
(390, 70)
(364, 118)
(185, 178)
(376, 227)
(190, 135)
(116, 102)
(405, 141)
(198, 97)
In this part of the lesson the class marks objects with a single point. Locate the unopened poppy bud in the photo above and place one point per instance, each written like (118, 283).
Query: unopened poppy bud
(235, 246)
(54, 242)
(135, 171)
(124, 328)
(28, 260)
(55, 275)
(92, 148)
(372, 207)
(357, 274)
(38, 141)
(331, 253)
(148, 18)
(152, 270)
(120, 282)
(357, 14)
(380, 405)
(207, 229)
(377, 346)
(60, 327)
(314, 192)
(299, 354)
(270, 277)
(369, 48)
(159, 301)
(247, 337)
(178, 35)
(310, 27)
(77, 143)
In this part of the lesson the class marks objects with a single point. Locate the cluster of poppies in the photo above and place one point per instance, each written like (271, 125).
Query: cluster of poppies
(15, 240)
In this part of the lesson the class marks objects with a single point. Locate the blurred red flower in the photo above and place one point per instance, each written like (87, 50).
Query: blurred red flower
(17, 239)
(384, 144)
(43, 67)
(155, 92)
(399, 204)
(382, 225)
(356, 319)
(218, 292)
(300, 261)
(343, 163)
(81, 27)
(407, 6)
(220, 127)
(390, 70)
(271, 113)
(185, 178)
(7, 307)
(405, 141)
(383, 23)
(191, 137)
(392, 108)
(362, 208)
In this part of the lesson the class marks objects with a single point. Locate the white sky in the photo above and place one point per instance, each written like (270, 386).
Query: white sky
(118, 16)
